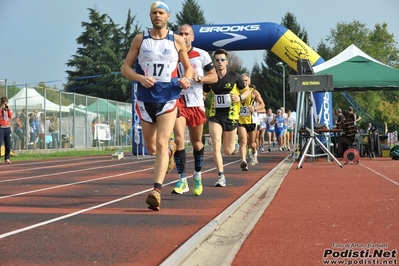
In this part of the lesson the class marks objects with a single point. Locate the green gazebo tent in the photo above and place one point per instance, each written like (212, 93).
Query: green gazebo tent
(103, 106)
(354, 70)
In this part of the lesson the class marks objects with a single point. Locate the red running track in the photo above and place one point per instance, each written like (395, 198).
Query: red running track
(85, 211)
(324, 214)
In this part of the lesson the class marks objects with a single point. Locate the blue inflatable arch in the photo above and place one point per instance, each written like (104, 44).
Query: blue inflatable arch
(255, 36)
(266, 36)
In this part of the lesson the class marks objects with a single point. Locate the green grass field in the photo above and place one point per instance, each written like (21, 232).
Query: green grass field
(49, 154)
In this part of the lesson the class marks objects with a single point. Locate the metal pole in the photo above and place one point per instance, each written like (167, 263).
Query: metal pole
(27, 135)
(283, 66)
(283, 86)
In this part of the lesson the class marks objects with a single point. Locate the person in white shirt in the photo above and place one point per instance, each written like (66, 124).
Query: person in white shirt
(192, 113)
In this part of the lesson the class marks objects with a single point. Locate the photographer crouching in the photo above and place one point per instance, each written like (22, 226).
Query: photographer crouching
(5, 129)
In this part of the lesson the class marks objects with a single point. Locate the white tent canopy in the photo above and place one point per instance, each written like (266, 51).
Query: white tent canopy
(350, 52)
(29, 98)
(354, 70)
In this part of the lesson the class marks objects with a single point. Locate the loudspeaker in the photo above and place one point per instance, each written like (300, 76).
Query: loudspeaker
(351, 155)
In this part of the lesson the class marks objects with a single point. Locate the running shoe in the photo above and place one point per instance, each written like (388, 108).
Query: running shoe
(154, 200)
(270, 150)
(262, 149)
(244, 166)
(197, 187)
(280, 149)
(171, 164)
(181, 187)
(254, 160)
(8, 161)
(289, 148)
(221, 181)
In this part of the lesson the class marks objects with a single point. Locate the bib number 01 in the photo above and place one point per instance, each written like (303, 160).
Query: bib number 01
(222, 100)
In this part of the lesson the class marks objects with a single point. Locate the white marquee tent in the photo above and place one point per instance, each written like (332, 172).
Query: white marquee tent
(29, 98)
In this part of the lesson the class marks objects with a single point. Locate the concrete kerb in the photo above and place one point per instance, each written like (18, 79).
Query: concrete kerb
(182, 253)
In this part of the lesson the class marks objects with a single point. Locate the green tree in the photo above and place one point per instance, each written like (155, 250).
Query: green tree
(379, 44)
(191, 14)
(235, 63)
(324, 51)
(97, 62)
(117, 82)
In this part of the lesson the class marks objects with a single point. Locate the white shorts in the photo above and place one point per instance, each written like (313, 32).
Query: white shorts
(262, 120)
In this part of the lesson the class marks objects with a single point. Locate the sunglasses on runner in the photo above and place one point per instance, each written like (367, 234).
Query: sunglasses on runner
(220, 59)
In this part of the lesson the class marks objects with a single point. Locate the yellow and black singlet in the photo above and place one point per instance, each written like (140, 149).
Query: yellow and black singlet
(247, 117)
(221, 91)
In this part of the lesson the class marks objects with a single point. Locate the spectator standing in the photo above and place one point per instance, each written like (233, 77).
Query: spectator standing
(36, 116)
(370, 127)
(349, 132)
(32, 131)
(5, 128)
(18, 131)
(129, 131)
(25, 127)
(122, 132)
(16, 141)
(354, 116)
(55, 132)
(340, 117)
(42, 131)
(112, 132)
(93, 131)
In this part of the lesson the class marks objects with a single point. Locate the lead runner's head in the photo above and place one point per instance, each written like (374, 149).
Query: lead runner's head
(160, 4)
(159, 14)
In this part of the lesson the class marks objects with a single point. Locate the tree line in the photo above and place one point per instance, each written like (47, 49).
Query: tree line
(103, 45)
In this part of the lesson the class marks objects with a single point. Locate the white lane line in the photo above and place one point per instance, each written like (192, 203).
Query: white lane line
(383, 176)
(69, 215)
(65, 172)
(26, 164)
(71, 184)
(14, 232)
(55, 166)
(74, 183)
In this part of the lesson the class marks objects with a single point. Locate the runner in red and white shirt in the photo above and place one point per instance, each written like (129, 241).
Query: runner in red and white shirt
(192, 113)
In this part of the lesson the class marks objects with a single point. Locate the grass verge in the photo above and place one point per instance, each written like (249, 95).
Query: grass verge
(64, 153)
